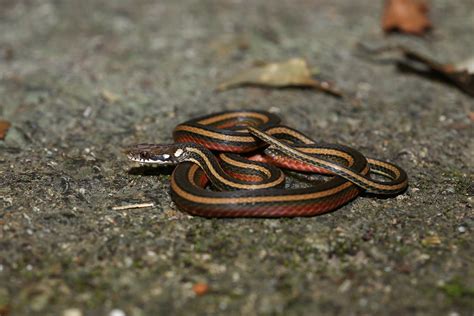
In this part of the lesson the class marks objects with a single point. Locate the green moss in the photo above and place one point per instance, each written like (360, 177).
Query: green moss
(455, 289)
(459, 294)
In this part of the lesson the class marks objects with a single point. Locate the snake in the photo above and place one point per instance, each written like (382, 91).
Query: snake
(230, 164)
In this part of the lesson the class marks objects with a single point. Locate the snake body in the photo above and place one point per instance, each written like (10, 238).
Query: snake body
(238, 152)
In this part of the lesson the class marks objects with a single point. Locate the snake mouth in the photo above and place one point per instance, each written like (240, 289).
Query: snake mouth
(154, 161)
(154, 154)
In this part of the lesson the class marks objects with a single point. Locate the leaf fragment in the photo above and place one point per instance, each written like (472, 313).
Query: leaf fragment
(109, 96)
(4, 127)
(466, 65)
(407, 16)
(433, 240)
(459, 75)
(292, 73)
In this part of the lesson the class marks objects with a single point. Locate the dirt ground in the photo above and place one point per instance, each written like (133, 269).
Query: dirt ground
(82, 79)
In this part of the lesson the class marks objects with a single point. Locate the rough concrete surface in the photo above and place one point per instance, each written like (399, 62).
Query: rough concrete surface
(82, 79)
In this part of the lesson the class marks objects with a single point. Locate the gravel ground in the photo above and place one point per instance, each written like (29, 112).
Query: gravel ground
(81, 79)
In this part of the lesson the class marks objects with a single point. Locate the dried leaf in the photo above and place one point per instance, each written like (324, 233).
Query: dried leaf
(431, 241)
(459, 75)
(466, 65)
(408, 16)
(5, 309)
(292, 73)
(200, 288)
(4, 126)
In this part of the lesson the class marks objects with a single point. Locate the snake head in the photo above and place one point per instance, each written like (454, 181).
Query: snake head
(158, 154)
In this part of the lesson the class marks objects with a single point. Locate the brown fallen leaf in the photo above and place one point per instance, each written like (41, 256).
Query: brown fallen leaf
(459, 75)
(407, 16)
(4, 309)
(4, 126)
(292, 73)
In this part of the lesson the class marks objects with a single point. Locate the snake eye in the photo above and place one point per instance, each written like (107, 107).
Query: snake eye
(144, 156)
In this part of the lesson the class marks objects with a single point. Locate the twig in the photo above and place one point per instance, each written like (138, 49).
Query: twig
(132, 206)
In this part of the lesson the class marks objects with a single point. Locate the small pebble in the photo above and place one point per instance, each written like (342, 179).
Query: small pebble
(461, 229)
(449, 190)
(223, 305)
(402, 197)
(345, 286)
(200, 288)
(274, 109)
(87, 112)
(235, 276)
(128, 262)
(117, 312)
(72, 312)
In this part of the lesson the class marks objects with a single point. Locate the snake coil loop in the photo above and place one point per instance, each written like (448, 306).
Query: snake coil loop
(250, 146)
